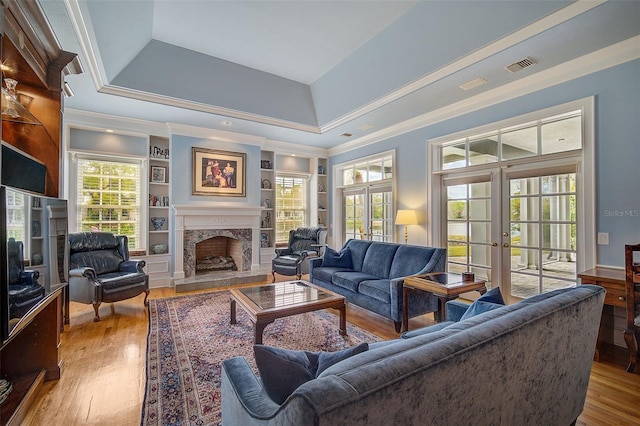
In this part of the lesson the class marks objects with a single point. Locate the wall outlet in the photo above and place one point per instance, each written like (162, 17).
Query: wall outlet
(603, 238)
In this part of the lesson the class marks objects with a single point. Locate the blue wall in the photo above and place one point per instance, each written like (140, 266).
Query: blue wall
(617, 94)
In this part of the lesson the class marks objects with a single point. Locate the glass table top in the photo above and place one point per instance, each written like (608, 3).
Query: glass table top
(282, 294)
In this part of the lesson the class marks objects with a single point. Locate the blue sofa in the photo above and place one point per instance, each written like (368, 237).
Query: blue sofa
(374, 277)
(524, 364)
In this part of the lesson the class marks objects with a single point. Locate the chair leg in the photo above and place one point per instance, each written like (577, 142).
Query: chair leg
(274, 276)
(398, 325)
(146, 295)
(96, 307)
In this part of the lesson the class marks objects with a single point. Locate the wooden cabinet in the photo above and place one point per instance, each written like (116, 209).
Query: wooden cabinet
(32, 56)
(614, 281)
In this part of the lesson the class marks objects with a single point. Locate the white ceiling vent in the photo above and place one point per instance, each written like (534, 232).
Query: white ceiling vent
(473, 83)
(521, 64)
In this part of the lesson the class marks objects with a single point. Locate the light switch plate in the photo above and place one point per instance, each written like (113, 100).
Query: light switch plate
(603, 238)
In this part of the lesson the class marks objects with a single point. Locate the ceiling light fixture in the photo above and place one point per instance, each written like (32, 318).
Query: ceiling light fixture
(346, 135)
(226, 123)
(365, 126)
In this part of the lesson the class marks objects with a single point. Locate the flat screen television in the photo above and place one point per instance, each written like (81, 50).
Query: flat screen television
(20, 170)
(34, 254)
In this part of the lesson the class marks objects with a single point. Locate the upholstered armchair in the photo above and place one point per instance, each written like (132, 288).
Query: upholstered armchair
(101, 270)
(304, 244)
(24, 289)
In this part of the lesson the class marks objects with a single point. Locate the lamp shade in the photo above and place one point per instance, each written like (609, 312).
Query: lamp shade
(406, 217)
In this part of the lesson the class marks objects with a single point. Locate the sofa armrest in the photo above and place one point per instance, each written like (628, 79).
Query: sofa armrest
(243, 395)
(84, 272)
(83, 286)
(283, 251)
(455, 309)
(132, 266)
(436, 263)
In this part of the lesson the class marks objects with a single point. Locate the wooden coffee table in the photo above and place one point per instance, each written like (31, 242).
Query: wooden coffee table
(266, 303)
(445, 286)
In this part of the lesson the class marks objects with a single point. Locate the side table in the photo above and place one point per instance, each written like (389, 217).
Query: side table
(445, 286)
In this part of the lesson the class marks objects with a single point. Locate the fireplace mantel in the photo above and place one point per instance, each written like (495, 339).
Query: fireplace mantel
(215, 216)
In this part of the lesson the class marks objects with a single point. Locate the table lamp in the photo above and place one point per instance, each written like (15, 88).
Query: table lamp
(406, 218)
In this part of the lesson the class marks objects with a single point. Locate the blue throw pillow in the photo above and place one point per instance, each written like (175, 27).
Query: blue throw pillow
(487, 302)
(341, 259)
(283, 370)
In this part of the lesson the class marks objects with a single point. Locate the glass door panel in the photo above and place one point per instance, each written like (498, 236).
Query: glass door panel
(368, 214)
(542, 234)
(469, 228)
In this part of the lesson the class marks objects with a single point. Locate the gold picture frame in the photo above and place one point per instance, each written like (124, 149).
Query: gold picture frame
(218, 173)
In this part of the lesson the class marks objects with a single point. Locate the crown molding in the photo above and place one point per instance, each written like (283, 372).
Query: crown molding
(513, 39)
(619, 53)
(292, 148)
(97, 121)
(214, 134)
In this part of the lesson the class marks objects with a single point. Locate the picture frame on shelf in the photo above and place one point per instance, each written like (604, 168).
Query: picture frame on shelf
(266, 184)
(158, 174)
(265, 164)
(218, 173)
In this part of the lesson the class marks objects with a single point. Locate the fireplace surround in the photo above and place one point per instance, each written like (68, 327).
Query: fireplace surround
(196, 223)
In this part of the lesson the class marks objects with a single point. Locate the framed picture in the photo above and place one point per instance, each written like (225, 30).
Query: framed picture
(266, 184)
(158, 174)
(220, 173)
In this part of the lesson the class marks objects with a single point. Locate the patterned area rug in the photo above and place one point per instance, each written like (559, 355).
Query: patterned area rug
(189, 337)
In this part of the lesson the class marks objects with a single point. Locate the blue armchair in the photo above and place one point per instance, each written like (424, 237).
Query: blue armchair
(101, 270)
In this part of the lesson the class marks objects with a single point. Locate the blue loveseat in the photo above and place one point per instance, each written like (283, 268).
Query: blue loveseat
(370, 274)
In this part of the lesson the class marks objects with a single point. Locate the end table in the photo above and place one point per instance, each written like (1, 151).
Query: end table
(445, 286)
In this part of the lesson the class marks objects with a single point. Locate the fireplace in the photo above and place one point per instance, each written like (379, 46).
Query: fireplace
(210, 225)
(217, 254)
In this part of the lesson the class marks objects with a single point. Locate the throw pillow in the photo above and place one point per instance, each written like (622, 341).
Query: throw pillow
(487, 302)
(341, 259)
(283, 370)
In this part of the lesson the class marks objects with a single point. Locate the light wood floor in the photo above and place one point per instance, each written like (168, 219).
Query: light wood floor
(103, 375)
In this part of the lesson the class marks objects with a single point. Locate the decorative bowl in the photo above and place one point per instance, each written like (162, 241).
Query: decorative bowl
(159, 248)
(158, 222)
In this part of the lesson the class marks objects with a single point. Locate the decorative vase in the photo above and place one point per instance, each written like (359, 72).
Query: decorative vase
(159, 248)
(157, 222)
(36, 259)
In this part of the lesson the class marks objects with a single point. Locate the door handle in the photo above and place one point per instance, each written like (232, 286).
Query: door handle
(494, 244)
(505, 245)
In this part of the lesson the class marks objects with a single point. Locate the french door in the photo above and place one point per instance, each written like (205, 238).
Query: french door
(368, 213)
(514, 227)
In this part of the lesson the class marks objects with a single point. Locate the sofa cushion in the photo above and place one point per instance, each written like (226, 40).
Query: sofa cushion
(377, 261)
(410, 260)
(282, 371)
(358, 250)
(378, 289)
(119, 279)
(351, 279)
(102, 261)
(341, 259)
(487, 302)
(326, 274)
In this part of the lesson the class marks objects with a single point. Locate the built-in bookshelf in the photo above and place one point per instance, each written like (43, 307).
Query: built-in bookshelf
(323, 193)
(267, 200)
(159, 223)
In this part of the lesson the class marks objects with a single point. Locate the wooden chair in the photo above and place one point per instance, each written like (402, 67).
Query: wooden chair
(632, 332)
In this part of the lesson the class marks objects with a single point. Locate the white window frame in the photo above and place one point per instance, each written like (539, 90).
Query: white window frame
(585, 176)
(337, 194)
(73, 195)
(306, 210)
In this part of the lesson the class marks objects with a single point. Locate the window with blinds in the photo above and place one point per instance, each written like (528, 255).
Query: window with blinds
(16, 217)
(291, 205)
(109, 197)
